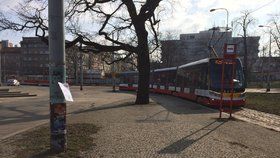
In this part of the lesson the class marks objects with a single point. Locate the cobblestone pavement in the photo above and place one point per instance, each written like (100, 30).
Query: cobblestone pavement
(173, 127)
(260, 118)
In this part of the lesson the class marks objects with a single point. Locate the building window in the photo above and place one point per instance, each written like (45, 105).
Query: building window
(191, 37)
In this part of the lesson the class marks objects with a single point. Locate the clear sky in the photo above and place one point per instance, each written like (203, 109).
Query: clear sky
(187, 16)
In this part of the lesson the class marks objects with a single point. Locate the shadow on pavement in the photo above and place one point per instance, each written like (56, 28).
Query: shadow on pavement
(152, 118)
(180, 106)
(25, 116)
(188, 140)
(118, 104)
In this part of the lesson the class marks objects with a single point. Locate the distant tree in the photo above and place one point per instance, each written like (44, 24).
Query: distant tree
(89, 21)
(243, 22)
(72, 61)
(275, 32)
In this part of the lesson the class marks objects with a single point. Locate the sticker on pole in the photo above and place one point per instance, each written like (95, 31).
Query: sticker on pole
(66, 91)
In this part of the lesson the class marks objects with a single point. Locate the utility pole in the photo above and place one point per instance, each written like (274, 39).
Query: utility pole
(57, 74)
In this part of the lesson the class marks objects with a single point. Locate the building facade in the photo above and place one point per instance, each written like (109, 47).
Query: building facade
(35, 58)
(195, 46)
(10, 63)
(10, 60)
(30, 62)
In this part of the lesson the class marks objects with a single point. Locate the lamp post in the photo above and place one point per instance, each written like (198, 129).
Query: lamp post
(212, 10)
(269, 57)
(223, 65)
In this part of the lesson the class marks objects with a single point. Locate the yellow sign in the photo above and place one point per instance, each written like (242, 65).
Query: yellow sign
(235, 95)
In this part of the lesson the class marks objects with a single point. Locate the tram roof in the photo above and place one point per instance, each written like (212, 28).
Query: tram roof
(206, 60)
(165, 69)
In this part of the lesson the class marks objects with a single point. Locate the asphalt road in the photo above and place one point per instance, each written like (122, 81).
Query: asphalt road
(23, 113)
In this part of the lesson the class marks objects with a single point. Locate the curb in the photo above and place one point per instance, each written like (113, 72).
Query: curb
(271, 127)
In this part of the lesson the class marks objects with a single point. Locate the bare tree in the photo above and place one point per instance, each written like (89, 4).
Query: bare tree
(275, 32)
(136, 21)
(72, 60)
(244, 21)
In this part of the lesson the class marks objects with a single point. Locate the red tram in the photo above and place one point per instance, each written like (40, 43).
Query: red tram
(128, 80)
(199, 81)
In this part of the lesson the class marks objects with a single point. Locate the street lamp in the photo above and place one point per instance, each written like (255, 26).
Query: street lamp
(269, 57)
(212, 10)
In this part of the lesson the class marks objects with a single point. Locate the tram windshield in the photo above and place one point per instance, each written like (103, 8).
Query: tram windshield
(236, 77)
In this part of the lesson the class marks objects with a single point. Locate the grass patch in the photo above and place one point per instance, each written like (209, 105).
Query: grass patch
(265, 102)
(273, 84)
(36, 143)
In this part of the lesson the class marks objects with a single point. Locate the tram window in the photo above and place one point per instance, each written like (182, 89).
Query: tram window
(215, 75)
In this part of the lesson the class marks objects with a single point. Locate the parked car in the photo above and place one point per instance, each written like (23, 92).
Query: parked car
(13, 82)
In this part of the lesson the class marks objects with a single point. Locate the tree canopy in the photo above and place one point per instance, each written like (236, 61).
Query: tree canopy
(125, 26)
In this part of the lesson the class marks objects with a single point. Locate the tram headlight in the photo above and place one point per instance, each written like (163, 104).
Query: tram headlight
(242, 95)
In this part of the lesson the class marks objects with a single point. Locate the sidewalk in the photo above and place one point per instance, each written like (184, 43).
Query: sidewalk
(262, 90)
(172, 127)
(167, 127)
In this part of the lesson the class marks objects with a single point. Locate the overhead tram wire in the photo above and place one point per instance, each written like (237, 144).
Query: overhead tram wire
(263, 6)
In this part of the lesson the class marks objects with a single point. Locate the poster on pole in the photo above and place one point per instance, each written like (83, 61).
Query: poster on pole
(66, 91)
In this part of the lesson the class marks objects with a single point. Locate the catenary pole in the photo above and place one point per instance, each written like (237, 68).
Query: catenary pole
(57, 74)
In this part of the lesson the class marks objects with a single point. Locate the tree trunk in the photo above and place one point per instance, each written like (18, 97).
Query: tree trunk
(143, 60)
(76, 73)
